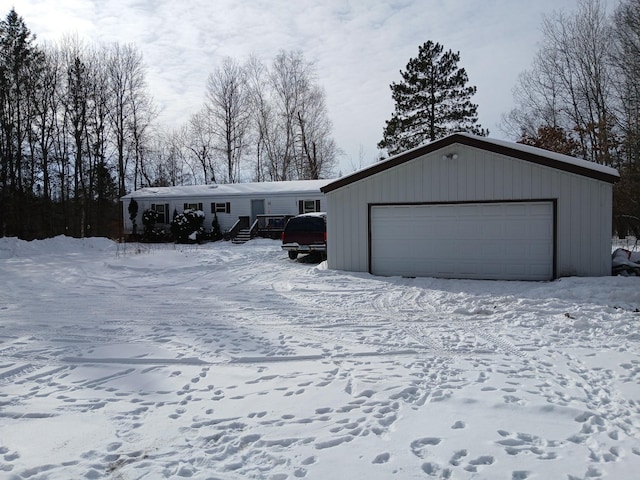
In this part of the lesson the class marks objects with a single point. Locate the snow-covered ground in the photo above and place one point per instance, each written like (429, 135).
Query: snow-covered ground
(227, 361)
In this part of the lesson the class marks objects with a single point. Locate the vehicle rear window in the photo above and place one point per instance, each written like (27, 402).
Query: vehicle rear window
(308, 224)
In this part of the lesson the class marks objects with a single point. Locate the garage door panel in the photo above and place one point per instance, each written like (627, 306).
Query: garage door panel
(509, 240)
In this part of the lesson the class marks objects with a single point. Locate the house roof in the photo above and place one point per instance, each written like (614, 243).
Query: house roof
(516, 150)
(231, 189)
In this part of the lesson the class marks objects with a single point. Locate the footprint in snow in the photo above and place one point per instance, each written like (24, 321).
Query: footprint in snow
(382, 458)
(419, 446)
(457, 456)
(433, 470)
(482, 460)
(459, 424)
(309, 460)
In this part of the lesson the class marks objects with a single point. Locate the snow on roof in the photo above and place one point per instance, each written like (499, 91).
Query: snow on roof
(579, 162)
(503, 147)
(231, 189)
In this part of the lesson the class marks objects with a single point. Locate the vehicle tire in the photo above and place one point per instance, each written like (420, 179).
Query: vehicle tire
(293, 255)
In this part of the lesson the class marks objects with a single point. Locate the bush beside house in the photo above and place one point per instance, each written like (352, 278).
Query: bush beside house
(186, 227)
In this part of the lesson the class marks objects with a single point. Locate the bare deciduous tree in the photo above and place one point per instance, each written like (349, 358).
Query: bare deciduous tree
(293, 131)
(582, 96)
(319, 152)
(143, 114)
(228, 108)
(199, 139)
(570, 83)
(43, 128)
(262, 115)
(126, 82)
(626, 60)
(165, 166)
(76, 99)
(77, 131)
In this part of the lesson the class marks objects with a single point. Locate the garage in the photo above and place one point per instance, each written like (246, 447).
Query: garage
(500, 240)
(473, 207)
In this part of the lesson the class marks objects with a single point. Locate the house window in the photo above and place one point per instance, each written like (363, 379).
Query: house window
(162, 211)
(308, 206)
(193, 206)
(221, 207)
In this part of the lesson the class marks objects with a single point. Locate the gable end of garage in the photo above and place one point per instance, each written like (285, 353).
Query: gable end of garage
(547, 159)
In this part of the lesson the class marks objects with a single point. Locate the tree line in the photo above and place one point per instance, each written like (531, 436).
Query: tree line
(581, 96)
(79, 129)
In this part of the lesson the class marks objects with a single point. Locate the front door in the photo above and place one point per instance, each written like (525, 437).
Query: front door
(257, 208)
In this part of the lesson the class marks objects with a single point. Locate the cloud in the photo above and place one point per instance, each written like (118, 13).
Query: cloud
(358, 47)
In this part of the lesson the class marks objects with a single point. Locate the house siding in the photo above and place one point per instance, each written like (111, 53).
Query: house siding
(277, 204)
(584, 205)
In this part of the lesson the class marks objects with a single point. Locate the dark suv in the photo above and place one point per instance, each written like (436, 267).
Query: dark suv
(305, 234)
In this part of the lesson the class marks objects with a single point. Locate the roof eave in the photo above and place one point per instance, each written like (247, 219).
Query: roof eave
(472, 141)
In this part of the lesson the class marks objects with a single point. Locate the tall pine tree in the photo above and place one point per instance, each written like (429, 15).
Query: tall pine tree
(20, 62)
(432, 101)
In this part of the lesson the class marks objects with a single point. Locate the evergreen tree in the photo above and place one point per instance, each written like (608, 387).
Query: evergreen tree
(216, 232)
(432, 101)
(20, 62)
(133, 213)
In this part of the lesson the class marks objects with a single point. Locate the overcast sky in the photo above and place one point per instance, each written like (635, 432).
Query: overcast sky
(357, 46)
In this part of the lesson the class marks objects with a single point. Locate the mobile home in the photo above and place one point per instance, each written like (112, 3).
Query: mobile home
(237, 206)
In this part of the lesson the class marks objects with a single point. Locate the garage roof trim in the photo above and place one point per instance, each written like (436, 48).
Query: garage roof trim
(535, 155)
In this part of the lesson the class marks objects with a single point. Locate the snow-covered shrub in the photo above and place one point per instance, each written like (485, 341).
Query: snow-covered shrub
(187, 226)
(149, 219)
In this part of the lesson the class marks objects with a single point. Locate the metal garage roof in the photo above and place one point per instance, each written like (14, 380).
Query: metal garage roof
(516, 150)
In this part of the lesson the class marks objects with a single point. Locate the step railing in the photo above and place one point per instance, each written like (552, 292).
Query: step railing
(242, 222)
(254, 228)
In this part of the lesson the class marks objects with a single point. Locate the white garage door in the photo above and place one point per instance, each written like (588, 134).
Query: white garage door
(508, 241)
